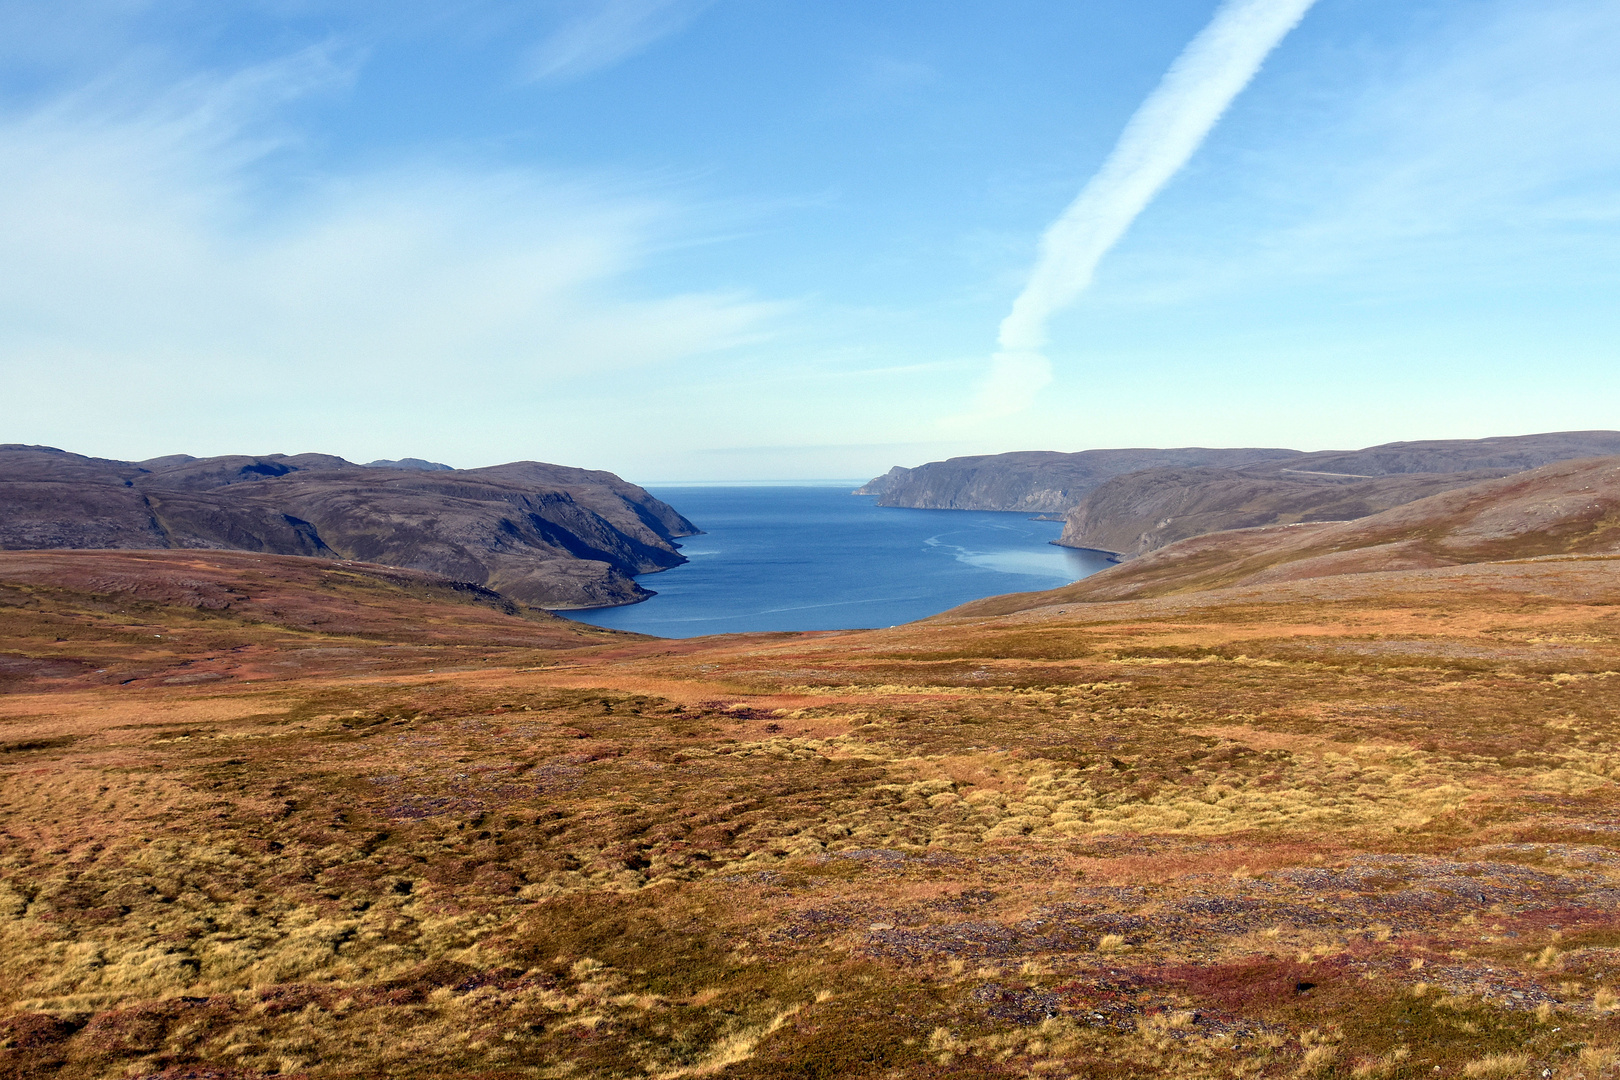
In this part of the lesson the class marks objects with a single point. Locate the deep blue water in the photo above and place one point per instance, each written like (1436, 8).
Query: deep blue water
(819, 558)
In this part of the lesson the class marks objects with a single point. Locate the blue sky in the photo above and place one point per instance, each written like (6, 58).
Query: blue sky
(749, 239)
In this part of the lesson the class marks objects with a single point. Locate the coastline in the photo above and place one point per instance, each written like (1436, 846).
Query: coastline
(789, 558)
(1113, 556)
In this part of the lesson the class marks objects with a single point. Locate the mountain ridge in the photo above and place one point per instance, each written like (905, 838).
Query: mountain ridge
(546, 535)
(1050, 481)
(1565, 508)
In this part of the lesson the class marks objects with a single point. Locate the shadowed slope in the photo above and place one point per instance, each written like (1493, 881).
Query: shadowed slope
(544, 534)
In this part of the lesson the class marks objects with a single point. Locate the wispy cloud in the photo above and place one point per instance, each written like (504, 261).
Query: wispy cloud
(1477, 155)
(137, 248)
(1159, 139)
(607, 32)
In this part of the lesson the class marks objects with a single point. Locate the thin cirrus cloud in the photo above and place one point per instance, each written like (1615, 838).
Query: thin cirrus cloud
(1492, 145)
(1161, 136)
(606, 33)
(138, 241)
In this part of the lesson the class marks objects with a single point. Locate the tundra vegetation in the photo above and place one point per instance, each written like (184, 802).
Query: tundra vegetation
(275, 816)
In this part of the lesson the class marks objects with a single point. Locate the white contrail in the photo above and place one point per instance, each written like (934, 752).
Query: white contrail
(1165, 131)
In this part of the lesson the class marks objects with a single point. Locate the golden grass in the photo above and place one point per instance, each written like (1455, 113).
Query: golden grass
(1497, 1065)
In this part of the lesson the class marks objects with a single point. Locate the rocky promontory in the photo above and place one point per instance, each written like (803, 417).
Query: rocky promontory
(1035, 481)
(546, 535)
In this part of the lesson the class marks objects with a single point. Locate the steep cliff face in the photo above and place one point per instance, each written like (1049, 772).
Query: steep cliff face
(1036, 481)
(880, 485)
(547, 535)
(1146, 510)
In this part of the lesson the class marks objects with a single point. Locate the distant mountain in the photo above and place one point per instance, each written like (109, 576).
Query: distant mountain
(1039, 481)
(1146, 510)
(547, 535)
(1035, 481)
(409, 463)
(1567, 508)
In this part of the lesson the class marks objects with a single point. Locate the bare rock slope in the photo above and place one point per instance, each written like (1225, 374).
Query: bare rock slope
(545, 535)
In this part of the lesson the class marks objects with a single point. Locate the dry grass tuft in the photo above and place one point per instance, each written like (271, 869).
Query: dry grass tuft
(1497, 1065)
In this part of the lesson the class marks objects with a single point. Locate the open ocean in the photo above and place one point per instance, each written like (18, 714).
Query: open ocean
(819, 558)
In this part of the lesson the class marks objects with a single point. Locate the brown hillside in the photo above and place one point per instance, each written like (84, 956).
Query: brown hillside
(95, 618)
(1567, 508)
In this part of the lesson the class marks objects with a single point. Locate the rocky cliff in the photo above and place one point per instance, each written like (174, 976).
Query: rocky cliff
(546, 535)
(1036, 481)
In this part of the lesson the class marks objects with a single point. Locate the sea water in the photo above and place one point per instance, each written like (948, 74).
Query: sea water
(819, 558)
